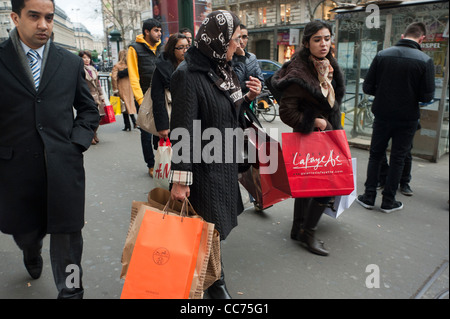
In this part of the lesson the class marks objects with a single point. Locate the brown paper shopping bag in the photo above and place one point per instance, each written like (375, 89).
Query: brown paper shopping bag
(208, 259)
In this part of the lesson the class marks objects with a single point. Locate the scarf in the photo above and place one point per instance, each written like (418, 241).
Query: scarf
(212, 40)
(325, 76)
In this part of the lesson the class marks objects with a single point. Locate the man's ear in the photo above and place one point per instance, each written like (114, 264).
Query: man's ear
(15, 18)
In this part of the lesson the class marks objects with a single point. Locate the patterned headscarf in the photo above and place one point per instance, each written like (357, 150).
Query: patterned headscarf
(213, 40)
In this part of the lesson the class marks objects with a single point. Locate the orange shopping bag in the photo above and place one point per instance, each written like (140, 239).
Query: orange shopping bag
(164, 257)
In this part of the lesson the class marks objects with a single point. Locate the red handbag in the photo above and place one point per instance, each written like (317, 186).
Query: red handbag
(266, 179)
(109, 116)
(318, 164)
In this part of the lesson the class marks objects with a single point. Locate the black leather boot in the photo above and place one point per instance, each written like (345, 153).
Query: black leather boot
(314, 245)
(218, 289)
(306, 234)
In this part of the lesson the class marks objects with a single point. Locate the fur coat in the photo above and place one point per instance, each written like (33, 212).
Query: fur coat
(301, 98)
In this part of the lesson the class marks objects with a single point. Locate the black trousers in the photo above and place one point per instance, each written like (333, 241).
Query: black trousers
(402, 134)
(65, 256)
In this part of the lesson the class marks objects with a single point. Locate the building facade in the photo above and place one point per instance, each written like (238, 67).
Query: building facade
(69, 35)
(275, 25)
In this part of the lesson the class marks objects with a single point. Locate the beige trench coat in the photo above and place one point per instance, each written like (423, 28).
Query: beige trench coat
(93, 83)
(124, 87)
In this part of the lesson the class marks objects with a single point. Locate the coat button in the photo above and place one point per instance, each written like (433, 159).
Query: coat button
(36, 155)
(38, 100)
(40, 127)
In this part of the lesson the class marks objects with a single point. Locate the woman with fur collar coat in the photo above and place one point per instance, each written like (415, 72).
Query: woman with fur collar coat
(312, 87)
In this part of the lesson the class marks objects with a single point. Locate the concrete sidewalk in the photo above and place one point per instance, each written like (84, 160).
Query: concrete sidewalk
(410, 248)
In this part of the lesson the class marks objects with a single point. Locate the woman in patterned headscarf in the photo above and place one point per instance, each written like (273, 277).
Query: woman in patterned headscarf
(207, 101)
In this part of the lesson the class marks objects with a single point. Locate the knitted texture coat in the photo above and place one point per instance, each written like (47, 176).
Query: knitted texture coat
(200, 108)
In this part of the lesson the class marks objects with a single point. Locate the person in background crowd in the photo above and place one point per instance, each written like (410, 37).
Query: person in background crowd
(246, 65)
(122, 87)
(166, 63)
(188, 33)
(93, 83)
(204, 87)
(42, 180)
(399, 77)
(312, 86)
(141, 59)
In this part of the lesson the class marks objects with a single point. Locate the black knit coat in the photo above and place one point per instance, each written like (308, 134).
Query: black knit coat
(215, 193)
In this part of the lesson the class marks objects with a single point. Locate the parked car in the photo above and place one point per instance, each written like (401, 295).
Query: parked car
(268, 67)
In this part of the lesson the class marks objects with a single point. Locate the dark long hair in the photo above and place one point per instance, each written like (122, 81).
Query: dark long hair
(169, 48)
(86, 52)
(310, 29)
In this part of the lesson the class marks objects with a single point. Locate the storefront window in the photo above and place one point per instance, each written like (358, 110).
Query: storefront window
(357, 46)
(243, 16)
(285, 13)
(262, 19)
(323, 10)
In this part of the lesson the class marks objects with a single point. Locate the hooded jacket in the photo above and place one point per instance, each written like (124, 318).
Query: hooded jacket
(302, 100)
(141, 60)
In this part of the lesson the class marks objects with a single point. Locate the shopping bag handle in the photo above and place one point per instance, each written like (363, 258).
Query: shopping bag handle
(184, 212)
(164, 142)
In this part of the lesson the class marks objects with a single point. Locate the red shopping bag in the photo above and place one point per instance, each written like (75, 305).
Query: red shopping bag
(109, 116)
(266, 179)
(318, 164)
(164, 257)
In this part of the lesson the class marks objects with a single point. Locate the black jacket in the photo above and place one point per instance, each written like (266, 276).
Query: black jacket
(160, 82)
(215, 193)
(146, 63)
(246, 66)
(400, 77)
(42, 180)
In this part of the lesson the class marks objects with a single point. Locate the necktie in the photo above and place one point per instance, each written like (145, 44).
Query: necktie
(35, 68)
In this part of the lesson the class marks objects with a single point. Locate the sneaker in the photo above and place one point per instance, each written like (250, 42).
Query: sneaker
(365, 201)
(391, 207)
(406, 190)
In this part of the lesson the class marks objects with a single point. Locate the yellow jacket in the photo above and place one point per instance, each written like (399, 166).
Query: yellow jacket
(133, 68)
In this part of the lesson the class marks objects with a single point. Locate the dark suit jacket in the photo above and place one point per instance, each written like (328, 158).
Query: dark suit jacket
(42, 180)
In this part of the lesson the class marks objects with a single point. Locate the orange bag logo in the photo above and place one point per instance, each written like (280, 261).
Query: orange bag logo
(161, 256)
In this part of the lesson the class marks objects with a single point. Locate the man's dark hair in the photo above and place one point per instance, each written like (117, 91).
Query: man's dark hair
(149, 24)
(243, 26)
(415, 30)
(18, 5)
(185, 30)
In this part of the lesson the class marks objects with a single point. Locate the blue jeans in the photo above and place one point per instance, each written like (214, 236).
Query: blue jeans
(402, 134)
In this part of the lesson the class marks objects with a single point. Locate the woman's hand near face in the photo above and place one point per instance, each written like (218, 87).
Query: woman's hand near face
(254, 84)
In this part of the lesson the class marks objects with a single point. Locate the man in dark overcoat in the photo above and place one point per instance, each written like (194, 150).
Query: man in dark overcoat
(42, 140)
